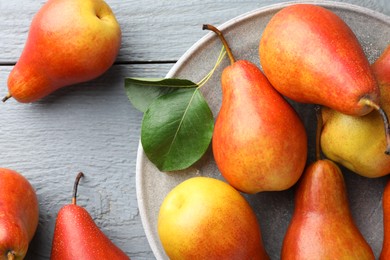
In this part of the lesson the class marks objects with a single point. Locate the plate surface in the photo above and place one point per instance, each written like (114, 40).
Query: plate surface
(273, 209)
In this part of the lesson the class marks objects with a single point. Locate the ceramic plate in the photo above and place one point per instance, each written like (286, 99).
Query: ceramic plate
(273, 209)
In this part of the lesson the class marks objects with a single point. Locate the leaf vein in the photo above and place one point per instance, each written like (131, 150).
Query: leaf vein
(181, 122)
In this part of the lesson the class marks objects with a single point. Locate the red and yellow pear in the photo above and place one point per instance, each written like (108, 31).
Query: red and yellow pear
(69, 42)
(310, 55)
(19, 214)
(381, 68)
(76, 235)
(259, 141)
(385, 253)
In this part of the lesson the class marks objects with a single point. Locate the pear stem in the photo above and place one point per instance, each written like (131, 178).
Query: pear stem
(385, 119)
(76, 184)
(8, 96)
(223, 40)
(10, 255)
(318, 131)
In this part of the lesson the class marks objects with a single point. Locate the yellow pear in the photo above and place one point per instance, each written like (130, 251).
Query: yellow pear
(358, 143)
(206, 218)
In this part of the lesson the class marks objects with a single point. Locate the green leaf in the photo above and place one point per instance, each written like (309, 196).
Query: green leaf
(142, 91)
(177, 129)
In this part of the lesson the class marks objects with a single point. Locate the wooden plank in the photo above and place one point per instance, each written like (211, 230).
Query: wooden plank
(92, 127)
(89, 127)
(152, 30)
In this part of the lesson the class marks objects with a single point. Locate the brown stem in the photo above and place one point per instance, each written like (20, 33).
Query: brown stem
(385, 119)
(222, 38)
(8, 96)
(10, 255)
(320, 124)
(76, 184)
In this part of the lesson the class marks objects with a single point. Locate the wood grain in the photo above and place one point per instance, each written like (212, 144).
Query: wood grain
(88, 127)
(152, 30)
(92, 127)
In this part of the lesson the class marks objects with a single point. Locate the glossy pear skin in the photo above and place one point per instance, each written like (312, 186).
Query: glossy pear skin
(259, 142)
(69, 42)
(206, 218)
(358, 143)
(322, 226)
(385, 254)
(19, 213)
(310, 55)
(76, 236)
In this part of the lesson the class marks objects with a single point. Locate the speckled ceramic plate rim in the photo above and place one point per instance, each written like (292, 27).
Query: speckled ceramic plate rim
(141, 157)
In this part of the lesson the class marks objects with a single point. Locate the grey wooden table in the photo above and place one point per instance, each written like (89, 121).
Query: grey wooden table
(91, 127)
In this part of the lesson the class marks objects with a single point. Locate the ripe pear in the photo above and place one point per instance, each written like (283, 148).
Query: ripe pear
(385, 253)
(322, 226)
(69, 42)
(309, 54)
(381, 68)
(19, 214)
(358, 143)
(76, 235)
(259, 142)
(206, 218)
